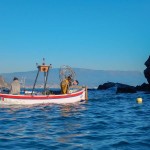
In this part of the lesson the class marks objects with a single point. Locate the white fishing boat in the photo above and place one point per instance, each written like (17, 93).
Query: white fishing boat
(75, 95)
(44, 99)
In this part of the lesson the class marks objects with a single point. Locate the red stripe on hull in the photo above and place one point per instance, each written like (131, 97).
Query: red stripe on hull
(37, 97)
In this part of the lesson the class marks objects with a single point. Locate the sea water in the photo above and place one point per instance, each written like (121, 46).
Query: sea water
(107, 121)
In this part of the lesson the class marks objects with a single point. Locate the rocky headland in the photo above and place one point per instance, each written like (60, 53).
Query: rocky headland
(124, 88)
(147, 70)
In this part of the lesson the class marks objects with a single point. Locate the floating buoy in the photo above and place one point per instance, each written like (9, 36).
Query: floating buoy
(139, 100)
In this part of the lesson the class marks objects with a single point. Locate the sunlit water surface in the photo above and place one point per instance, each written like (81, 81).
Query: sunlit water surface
(107, 121)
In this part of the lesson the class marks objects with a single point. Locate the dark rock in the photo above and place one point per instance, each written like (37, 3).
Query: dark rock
(147, 74)
(126, 89)
(147, 63)
(121, 88)
(106, 86)
(143, 87)
(147, 70)
(120, 85)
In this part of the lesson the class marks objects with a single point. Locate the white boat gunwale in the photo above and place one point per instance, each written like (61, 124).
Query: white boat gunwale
(42, 97)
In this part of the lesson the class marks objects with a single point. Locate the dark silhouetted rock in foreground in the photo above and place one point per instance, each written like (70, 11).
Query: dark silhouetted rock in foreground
(143, 87)
(121, 88)
(147, 74)
(147, 70)
(127, 89)
(124, 88)
(106, 86)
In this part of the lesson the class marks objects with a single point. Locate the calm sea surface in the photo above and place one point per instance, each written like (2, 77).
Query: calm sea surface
(107, 121)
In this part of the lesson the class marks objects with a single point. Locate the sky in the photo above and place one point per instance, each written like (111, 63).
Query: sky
(91, 34)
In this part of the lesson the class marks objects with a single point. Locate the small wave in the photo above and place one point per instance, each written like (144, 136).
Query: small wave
(121, 145)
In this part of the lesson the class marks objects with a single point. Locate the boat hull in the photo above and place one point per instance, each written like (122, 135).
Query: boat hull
(43, 99)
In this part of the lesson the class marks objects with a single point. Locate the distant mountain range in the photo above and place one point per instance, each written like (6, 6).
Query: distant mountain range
(89, 77)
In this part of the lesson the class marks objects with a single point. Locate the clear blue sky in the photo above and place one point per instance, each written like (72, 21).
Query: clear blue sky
(95, 34)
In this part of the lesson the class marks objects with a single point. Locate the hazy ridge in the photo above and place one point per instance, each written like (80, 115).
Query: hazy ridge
(89, 77)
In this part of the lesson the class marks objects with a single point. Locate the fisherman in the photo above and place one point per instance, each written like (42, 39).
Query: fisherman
(65, 85)
(15, 87)
(75, 82)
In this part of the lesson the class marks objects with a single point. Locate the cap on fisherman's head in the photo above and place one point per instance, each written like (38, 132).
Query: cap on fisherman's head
(15, 78)
(69, 77)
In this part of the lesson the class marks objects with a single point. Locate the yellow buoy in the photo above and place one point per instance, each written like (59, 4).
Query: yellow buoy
(139, 100)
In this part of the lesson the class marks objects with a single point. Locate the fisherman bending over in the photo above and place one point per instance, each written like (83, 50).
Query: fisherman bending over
(66, 83)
